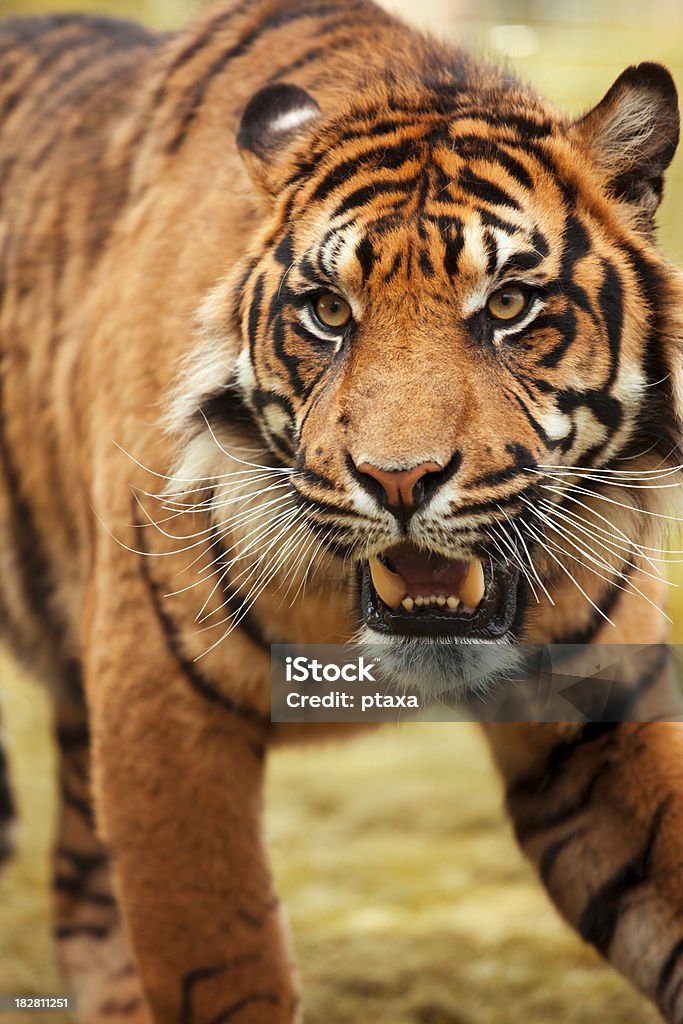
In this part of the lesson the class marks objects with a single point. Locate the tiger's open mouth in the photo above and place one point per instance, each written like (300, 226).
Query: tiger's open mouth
(411, 592)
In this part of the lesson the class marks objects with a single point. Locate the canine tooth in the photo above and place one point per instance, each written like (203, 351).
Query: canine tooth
(408, 603)
(472, 589)
(452, 603)
(390, 587)
(441, 600)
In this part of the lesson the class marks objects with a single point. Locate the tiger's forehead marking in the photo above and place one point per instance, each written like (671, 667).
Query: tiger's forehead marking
(350, 254)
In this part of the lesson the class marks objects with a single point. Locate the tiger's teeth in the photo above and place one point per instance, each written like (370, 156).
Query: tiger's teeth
(390, 587)
(472, 588)
(411, 603)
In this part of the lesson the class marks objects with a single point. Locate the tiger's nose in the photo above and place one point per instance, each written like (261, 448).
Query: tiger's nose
(403, 490)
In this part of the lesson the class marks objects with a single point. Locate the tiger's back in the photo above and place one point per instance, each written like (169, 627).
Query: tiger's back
(68, 84)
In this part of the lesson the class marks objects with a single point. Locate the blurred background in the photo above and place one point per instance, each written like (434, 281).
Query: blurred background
(409, 901)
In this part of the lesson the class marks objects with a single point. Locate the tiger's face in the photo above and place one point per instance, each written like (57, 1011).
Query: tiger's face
(448, 309)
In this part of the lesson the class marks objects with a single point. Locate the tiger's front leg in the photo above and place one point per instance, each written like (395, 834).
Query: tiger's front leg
(178, 774)
(598, 808)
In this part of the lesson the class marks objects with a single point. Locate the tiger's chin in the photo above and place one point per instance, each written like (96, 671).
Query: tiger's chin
(446, 627)
(439, 669)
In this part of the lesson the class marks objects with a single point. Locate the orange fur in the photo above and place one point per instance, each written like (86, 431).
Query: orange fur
(153, 269)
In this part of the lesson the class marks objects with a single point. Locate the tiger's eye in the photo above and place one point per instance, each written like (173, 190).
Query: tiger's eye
(507, 303)
(332, 310)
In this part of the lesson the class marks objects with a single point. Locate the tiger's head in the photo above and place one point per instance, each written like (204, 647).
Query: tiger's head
(454, 333)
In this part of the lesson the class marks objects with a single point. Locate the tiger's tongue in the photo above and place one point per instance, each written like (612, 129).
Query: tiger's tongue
(425, 573)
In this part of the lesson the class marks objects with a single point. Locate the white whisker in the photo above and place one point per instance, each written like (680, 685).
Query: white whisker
(542, 541)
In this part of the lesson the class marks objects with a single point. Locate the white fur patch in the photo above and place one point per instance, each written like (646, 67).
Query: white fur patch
(626, 132)
(205, 368)
(292, 119)
(556, 424)
(439, 667)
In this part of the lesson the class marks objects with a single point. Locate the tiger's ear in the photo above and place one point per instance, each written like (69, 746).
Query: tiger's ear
(275, 117)
(632, 135)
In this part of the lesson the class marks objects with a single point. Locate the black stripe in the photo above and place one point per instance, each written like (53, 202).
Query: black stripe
(453, 246)
(667, 972)
(232, 1011)
(74, 887)
(84, 863)
(32, 561)
(521, 262)
(197, 44)
(494, 504)
(254, 317)
(384, 157)
(553, 851)
(491, 250)
(621, 704)
(394, 268)
(72, 738)
(528, 826)
(611, 303)
(490, 219)
(77, 803)
(312, 54)
(64, 46)
(189, 668)
(529, 128)
(371, 127)
(485, 190)
(606, 605)
(188, 983)
(366, 256)
(657, 422)
(236, 604)
(191, 104)
(228, 407)
(600, 916)
(425, 263)
(475, 147)
(365, 195)
(7, 808)
(78, 931)
(542, 779)
(549, 442)
(565, 323)
(522, 460)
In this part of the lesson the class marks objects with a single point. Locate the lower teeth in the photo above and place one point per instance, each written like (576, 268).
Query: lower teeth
(410, 603)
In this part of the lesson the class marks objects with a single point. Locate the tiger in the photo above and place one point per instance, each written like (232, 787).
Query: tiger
(316, 329)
